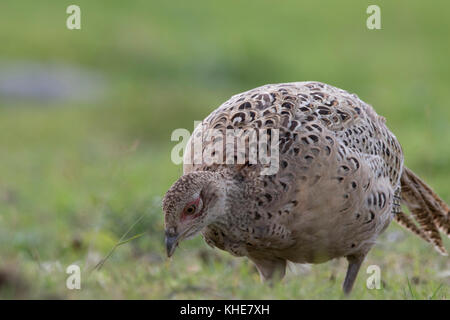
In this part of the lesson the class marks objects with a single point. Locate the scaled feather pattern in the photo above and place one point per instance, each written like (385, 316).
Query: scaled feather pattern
(340, 182)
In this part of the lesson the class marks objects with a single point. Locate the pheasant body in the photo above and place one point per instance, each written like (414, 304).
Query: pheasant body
(337, 187)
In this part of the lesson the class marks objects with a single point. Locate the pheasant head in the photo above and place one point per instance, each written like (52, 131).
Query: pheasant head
(194, 201)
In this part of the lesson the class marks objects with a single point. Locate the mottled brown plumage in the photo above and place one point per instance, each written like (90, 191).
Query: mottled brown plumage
(339, 183)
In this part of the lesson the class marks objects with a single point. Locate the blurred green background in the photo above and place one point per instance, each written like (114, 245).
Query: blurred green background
(86, 117)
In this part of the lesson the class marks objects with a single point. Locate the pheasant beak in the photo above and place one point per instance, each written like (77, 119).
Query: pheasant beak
(171, 244)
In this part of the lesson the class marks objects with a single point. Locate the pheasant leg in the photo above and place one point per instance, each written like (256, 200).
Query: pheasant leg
(354, 263)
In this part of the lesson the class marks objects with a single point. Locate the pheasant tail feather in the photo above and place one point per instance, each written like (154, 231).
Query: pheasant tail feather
(430, 211)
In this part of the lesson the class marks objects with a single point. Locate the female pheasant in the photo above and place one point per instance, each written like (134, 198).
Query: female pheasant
(339, 182)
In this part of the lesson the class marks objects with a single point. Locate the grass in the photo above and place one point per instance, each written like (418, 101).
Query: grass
(76, 174)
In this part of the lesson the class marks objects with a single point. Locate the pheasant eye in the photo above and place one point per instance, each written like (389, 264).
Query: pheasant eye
(191, 209)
